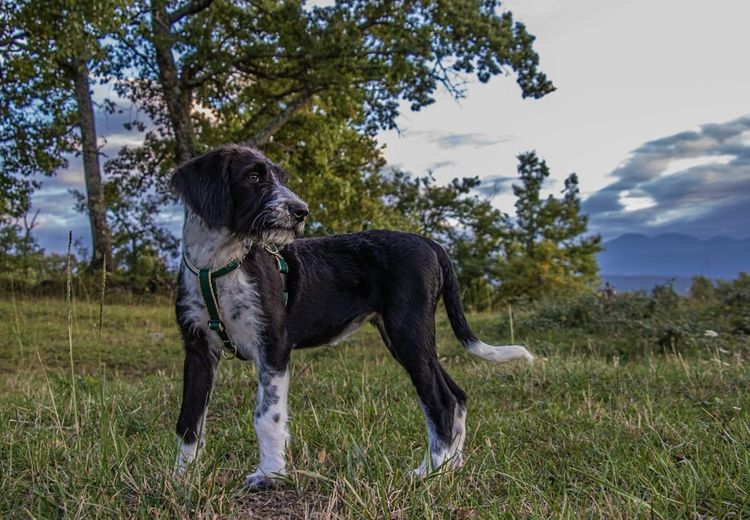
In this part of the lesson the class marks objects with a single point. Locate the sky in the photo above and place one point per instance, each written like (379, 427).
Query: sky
(651, 111)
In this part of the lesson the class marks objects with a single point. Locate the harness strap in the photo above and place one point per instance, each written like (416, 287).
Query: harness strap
(207, 281)
(283, 271)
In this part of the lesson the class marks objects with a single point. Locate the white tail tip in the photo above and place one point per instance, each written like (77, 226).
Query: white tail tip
(499, 354)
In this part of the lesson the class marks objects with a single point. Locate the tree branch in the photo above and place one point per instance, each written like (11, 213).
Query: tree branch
(14, 39)
(194, 7)
(265, 134)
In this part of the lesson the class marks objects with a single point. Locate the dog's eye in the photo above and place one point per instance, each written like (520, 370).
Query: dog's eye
(253, 177)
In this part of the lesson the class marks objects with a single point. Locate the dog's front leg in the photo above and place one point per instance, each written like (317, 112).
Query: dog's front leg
(270, 425)
(200, 365)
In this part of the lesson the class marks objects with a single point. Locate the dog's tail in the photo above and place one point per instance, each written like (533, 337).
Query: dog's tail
(461, 329)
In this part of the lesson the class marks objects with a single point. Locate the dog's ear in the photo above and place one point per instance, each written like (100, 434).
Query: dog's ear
(203, 185)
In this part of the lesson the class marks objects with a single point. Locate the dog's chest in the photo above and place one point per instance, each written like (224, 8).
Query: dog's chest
(239, 308)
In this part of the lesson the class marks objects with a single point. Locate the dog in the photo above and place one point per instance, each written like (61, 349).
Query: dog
(238, 209)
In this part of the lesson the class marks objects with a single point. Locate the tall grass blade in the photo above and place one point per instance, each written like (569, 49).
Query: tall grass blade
(16, 325)
(69, 302)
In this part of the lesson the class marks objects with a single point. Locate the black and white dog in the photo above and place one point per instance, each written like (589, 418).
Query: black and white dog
(237, 202)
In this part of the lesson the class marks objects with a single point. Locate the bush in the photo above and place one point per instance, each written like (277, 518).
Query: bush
(734, 296)
(662, 319)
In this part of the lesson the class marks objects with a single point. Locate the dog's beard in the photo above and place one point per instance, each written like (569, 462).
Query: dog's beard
(299, 229)
(277, 236)
(276, 227)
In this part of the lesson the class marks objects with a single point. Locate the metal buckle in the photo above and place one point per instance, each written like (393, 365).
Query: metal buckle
(229, 357)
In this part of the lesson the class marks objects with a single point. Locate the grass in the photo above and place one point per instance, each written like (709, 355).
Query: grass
(585, 432)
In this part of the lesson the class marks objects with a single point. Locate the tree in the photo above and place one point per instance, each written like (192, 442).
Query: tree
(49, 49)
(18, 249)
(548, 250)
(270, 73)
(310, 85)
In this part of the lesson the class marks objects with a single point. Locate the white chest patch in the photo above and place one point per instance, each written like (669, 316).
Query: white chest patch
(238, 306)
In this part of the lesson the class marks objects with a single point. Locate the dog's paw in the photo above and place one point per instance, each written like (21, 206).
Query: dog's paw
(426, 468)
(422, 471)
(259, 481)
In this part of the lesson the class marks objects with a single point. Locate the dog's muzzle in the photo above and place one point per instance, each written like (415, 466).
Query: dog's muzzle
(299, 212)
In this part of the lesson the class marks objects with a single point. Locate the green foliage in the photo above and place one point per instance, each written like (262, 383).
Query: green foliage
(548, 250)
(36, 107)
(735, 294)
(249, 62)
(702, 289)
(337, 170)
(142, 244)
(662, 320)
(49, 51)
(41, 42)
(310, 85)
(18, 251)
(543, 251)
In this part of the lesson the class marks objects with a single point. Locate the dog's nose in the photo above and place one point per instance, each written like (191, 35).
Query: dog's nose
(299, 211)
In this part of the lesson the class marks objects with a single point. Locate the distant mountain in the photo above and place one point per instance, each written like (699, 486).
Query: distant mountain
(647, 283)
(641, 261)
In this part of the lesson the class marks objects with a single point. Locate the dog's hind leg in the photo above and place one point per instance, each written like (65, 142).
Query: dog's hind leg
(458, 434)
(442, 401)
(199, 369)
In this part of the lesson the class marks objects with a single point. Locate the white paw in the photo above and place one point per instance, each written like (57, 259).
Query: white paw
(425, 469)
(186, 456)
(180, 467)
(260, 481)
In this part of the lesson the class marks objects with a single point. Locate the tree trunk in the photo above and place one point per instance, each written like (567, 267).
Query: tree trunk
(178, 98)
(100, 234)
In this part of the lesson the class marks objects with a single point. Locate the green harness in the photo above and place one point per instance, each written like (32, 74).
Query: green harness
(207, 281)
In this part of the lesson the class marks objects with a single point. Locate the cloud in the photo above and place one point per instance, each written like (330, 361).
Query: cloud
(441, 164)
(453, 140)
(693, 182)
(494, 185)
(57, 215)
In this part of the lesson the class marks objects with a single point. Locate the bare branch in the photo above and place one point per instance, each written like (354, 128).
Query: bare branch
(194, 7)
(29, 226)
(265, 134)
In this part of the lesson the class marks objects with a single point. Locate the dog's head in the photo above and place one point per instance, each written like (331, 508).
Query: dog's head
(239, 189)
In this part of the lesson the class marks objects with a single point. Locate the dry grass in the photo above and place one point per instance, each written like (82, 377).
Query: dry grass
(583, 434)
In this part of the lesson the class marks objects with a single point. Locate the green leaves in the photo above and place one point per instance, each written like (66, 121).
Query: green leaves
(253, 67)
(41, 45)
(548, 250)
(311, 85)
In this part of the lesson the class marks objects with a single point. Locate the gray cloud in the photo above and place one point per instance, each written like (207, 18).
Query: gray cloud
(494, 185)
(693, 182)
(441, 164)
(451, 140)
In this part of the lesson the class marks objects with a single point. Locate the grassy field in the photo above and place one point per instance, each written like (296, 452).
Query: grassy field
(584, 433)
